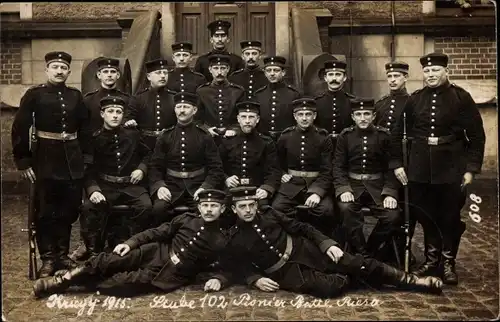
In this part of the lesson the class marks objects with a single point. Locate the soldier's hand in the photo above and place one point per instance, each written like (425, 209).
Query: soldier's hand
(212, 132)
(121, 249)
(232, 181)
(286, 177)
(229, 133)
(347, 197)
(334, 253)
(267, 285)
(97, 197)
(195, 197)
(164, 194)
(467, 179)
(136, 176)
(130, 123)
(312, 201)
(401, 175)
(212, 285)
(261, 194)
(29, 174)
(390, 202)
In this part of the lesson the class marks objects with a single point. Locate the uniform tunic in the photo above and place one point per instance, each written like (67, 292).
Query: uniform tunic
(334, 111)
(92, 102)
(389, 108)
(185, 80)
(250, 78)
(202, 63)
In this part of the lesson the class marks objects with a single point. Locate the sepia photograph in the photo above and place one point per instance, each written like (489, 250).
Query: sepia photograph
(250, 161)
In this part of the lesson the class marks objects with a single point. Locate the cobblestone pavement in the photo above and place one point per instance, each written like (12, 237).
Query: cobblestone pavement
(475, 298)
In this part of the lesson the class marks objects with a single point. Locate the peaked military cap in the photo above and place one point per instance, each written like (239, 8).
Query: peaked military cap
(248, 106)
(275, 61)
(397, 66)
(362, 104)
(212, 195)
(112, 101)
(218, 59)
(304, 104)
(185, 97)
(108, 63)
(243, 193)
(251, 44)
(156, 64)
(219, 25)
(58, 56)
(431, 59)
(182, 46)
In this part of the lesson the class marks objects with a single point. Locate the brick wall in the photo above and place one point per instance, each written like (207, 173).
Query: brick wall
(470, 57)
(11, 61)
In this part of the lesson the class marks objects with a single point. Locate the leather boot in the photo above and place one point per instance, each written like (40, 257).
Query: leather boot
(58, 283)
(432, 258)
(396, 277)
(63, 261)
(47, 255)
(450, 276)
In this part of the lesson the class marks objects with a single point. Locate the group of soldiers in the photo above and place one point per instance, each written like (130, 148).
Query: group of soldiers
(299, 171)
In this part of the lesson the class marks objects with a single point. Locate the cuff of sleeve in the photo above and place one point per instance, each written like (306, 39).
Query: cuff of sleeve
(327, 244)
(268, 188)
(472, 168)
(252, 279)
(157, 186)
(143, 168)
(132, 243)
(23, 164)
(319, 191)
(224, 281)
(340, 190)
(390, 192)
(206, 185)
(93, 188)
(394, 164)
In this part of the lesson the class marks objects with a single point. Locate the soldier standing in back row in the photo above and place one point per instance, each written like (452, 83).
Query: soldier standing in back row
(446, 152)
(152, 109)
(276, 108)
(55, 163)
(219, 38)
(252, 77)
(182, 78)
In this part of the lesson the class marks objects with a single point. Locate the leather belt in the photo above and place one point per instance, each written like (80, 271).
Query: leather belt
(334, 135)
(57, 136)
(184, 174)
(286, 255)
(152, 133)
(365, 176)
(114, 179)
(437, 140)
(173, 257)
(303, 174)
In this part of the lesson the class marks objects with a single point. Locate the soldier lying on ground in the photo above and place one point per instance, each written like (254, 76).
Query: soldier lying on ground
(274, 251)
(163, 258)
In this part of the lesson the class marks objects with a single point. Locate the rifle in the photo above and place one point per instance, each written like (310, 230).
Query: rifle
(407, 205)
(31, 230)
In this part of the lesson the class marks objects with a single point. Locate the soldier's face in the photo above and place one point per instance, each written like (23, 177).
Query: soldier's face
(363, 119)
(210, 211)
(274, 74)
(219, 40)
(251, 56)
(334, 79)
(108, 76)
(248, 121)
(219, 72)
(185, 112)
(396, 80)
(158, 78)
(305, 118)
(435, 76)
(181, 59)
(57, 72)
(112, 117)
(245, 209)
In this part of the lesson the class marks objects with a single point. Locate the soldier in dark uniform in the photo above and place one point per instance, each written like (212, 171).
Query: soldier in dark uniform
(334, 112)
(56, 161)
(305, 156)
(161, 259)
(218, 99)
(446, 152)
(250, 157)
(276, 110)
(185, 162)
(219, 38)
(108, 72)
(272, 251)
(152, 109)
(252, 77)
(362, 178)
(115, 176)
(182, 78)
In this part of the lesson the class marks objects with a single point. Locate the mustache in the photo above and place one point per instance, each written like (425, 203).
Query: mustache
(334, 82)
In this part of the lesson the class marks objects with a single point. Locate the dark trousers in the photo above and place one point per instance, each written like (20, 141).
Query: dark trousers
(96, 219)
(353, 222)
(163, 211)
(58, 202)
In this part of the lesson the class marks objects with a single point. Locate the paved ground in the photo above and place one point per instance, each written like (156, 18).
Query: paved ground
(476, 298)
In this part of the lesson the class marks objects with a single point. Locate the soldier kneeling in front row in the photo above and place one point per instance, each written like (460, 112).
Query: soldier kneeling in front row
(163, 258)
